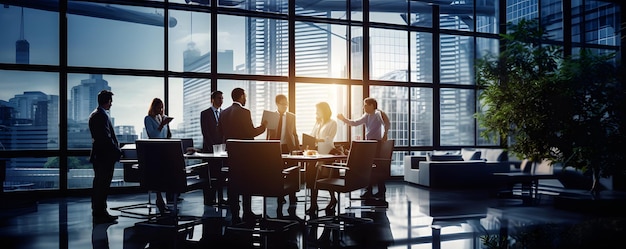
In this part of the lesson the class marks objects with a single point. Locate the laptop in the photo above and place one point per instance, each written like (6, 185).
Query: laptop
(308, 142)
(186, 143)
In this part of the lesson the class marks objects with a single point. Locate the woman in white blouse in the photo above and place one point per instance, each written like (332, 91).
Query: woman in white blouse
(324, 131)
(157, 127)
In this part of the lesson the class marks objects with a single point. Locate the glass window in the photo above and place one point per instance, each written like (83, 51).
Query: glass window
(309, 94)
(274, 6)
(421, 14)
(389, 55)
(118, 37)
(457, 59)
(421, 50)
(552, 19)
(389, 11)
(267, 50)
(260, 96)
(187, 98)
(80, 174)
(29, 110)
(458, 15)
(602, 23)
(231, 42)
(190, 42)
(394, 101)
(322, 50)
(329, 9)
(356, 111)
(29, 35)
(30, 173)
(421, 116)
(457, 125)
(132, 96)
(487, 20)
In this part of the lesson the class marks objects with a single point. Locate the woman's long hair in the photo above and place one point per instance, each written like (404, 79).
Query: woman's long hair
(155, 107)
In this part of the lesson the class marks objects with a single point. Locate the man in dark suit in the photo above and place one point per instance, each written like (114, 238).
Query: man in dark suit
(235, 122)
(286, 133)
(212, 135)
(105, 151)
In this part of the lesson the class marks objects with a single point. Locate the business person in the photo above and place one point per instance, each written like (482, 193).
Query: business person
(376, 128)
(235, 122)
(211, 135)
(286, 133)
(105, 151)
(324, 131)
(157, 126)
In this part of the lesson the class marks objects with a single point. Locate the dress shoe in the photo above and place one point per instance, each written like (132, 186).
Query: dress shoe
(107, 218)
(281, 200)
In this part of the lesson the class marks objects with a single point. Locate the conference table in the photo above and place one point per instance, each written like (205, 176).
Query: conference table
(303, 161)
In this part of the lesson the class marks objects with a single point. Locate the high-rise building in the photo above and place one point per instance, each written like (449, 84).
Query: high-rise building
(84, 97)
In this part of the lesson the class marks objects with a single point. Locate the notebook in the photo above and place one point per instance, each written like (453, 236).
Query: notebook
(308, 142)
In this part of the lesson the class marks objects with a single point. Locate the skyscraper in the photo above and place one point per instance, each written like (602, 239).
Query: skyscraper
(84, 97)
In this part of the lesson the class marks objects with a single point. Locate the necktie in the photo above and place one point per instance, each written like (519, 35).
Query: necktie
(217, 115)
(280, 127)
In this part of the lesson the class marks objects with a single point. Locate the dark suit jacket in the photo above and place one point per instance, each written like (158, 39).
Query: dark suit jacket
(236, 123)
(291, 136)
(104, 147)
(210, 133)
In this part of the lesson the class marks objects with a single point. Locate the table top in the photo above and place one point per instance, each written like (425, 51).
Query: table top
(201, 155)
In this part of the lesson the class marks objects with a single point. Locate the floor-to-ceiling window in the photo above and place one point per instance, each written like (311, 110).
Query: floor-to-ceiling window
(415, 57)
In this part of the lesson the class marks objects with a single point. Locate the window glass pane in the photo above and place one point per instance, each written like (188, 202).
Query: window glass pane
(132, 96)
(394, 101)
(321, 50)
(268, 53)
(458, 15)
(421, 126)
(457, 59)
(356, 51)
(120, 37)
(190, 42)
(421, 14)
(81, 174)
(29, 35)
(268, 47)
(389, 11)
(29, 110)
(260, 96)
(487, 18)
(327, 9)
(271, 6)
(389, 55)
(308, 95)
(356, 111)
(602, 23)
(517, 10)
(421, 57)
(187, 98)
(458, 125)
(28, 173)
(552, 19)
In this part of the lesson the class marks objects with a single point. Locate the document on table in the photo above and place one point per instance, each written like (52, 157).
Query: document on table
(272, 119)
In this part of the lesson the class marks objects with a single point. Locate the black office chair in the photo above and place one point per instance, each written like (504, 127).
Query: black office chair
(163, 168)
(356, 175)
(256, 168)
(381, 172)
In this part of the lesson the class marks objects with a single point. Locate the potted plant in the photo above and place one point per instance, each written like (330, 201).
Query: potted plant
(566, 109)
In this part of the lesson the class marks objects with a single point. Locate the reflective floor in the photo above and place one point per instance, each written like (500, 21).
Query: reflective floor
(415, 218)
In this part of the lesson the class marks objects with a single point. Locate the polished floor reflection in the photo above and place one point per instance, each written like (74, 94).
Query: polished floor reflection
(415, 218)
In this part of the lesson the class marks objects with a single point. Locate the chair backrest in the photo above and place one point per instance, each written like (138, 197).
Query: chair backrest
(384, 152)
(161, 165)
(360, 160)
(255, 167)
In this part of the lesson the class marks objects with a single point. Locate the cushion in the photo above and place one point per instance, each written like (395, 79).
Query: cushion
(496, 155)
(444, 158)
(470, 154)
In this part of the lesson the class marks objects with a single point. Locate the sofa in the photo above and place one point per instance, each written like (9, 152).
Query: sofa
(471, 168)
